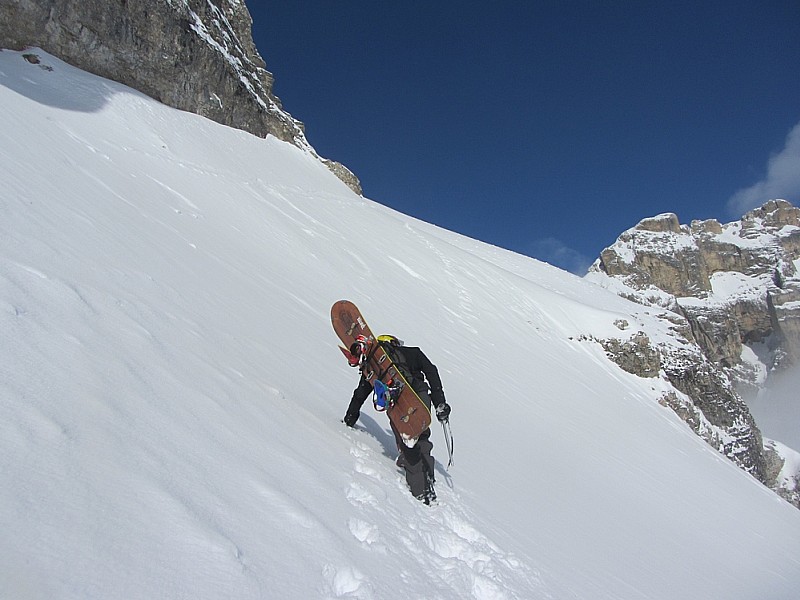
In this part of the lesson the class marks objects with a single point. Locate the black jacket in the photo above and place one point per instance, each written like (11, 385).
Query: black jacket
(420, 368)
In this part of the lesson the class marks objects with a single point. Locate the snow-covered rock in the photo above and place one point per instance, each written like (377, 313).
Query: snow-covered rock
(736, 288)
(736, 283)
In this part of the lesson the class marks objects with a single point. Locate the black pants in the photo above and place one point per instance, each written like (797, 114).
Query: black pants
(417, 461)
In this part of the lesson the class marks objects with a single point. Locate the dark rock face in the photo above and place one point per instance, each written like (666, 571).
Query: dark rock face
(713, 395)
(195, 55)
(635, 356)
(709, 404)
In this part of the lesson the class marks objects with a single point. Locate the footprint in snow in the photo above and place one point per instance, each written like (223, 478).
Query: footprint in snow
(359, 496)
(367, 470)
(359, 451)
(346, 582)
(462, 551)
(367, 534)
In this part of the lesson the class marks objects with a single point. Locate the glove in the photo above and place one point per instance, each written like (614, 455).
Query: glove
(351, 417)
(437, 396)
(443, 411)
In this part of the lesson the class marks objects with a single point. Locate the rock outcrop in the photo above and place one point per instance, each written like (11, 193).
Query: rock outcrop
(195, 55)
(726, 288)
(736, 283)
(702, 394)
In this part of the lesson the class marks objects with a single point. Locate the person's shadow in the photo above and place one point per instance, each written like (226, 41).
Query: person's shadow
(386, 438)
(389, 445)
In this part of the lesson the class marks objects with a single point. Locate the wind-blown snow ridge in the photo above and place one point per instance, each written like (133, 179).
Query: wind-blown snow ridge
(171, 391)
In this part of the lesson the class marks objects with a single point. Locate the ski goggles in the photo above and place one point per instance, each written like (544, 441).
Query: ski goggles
(359, 350)
(359, 346)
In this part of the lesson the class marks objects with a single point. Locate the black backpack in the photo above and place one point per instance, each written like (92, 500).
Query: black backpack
(398, 358)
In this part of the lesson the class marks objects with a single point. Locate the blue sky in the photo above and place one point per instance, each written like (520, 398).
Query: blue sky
(546, 127)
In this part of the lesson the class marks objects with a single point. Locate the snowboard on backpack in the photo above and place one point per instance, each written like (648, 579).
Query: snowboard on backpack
(407, 412)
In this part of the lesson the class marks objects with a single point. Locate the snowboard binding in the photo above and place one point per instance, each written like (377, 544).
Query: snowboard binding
(385, 394)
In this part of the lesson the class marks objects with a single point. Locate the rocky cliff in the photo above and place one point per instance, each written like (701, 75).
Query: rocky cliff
(195, 55)
(732, 293)
(736, 284)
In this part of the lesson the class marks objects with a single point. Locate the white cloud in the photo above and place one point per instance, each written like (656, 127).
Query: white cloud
(555, 252)
(782, 179)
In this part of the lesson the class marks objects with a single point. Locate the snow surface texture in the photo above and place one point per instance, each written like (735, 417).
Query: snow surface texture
(171, 390)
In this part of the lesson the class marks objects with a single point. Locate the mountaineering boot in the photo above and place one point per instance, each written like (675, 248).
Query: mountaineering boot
(429, 495)
(430, 490)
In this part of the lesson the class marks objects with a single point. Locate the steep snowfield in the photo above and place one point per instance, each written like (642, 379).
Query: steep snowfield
(171, 391)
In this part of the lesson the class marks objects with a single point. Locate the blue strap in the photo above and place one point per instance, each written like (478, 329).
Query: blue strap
(381, 399)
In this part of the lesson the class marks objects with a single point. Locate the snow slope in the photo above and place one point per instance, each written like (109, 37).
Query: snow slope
(171, 391)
